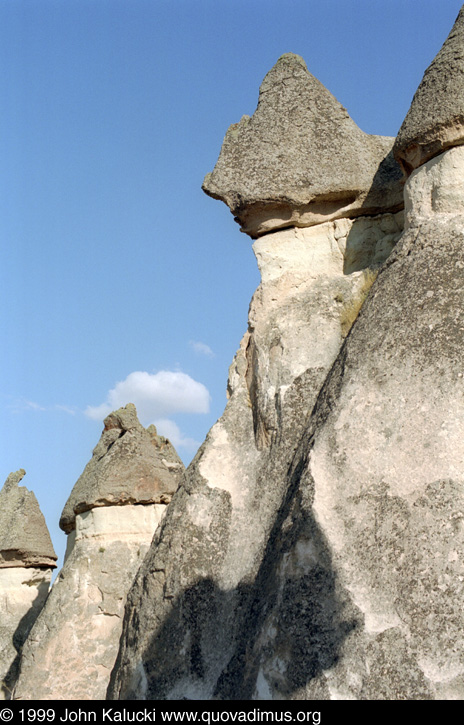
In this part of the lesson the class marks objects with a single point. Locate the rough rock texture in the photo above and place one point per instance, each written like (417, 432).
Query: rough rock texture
(24, 537)
(363, 599)
(335, 570)
(435, 120)
(129, 465)
(23, 592)
(73, 644)
(301, 160)
(314, 547)
(194, 593)
(26, 562)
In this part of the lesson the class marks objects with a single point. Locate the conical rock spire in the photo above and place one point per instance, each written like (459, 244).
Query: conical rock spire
(130, 464)
(435, 120)
(300, 159)
(24, 537)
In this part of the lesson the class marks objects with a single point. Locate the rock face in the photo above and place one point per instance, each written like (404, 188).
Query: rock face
(435, 120)
(27, 559)
(202, 569)
(112, 514)
(301, 160)
(363, 597)
(314, 547)
(195, 593)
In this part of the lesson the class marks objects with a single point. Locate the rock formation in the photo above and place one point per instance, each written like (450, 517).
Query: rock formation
(313, 547)
(301, 160)
(321, 551)
(435, 121)
(27, 559)
(197, 589)
(110, 517)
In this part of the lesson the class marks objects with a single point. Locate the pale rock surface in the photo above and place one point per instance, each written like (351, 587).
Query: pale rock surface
(435, 121)
(23, 592)
(363, 599)
(301, 160)
(113, 510)
(27, 559)
(194, 593)
(314, 547)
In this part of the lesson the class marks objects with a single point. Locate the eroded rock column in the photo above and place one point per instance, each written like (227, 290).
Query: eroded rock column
(110, 517)
(27, 560)
(322, 231)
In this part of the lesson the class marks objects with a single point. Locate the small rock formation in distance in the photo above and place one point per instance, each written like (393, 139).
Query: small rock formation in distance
(110, 517)
(27, 559)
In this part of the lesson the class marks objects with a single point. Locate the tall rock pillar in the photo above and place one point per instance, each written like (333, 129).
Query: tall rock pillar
(27, 560)
(110, 517)
(323, 202)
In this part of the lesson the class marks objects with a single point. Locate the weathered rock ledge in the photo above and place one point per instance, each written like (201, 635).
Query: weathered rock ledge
(301, 160)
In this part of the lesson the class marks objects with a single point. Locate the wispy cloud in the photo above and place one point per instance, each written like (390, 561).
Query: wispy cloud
(66, 409)
(30, 405)
(156, 396)
(22, 404)
(202, 348)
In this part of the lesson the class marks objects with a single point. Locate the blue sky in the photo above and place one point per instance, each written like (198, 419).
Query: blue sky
(121, 281)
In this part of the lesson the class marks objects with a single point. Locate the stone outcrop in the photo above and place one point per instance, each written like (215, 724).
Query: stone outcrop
(301, 160)
(111, 516)
(313, 549)
(196, 589)
(435, 121)
(363, 597)
(27, 559)
(130, 465)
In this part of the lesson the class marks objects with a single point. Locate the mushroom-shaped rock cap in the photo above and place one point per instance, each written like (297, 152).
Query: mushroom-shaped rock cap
(300, 159)
(435, 120)
(24, 537)
(129, 465)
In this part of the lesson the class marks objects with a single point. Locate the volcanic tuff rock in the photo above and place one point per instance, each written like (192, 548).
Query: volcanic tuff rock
(73, 645)
(194, 596)
(301, 160)
(435, 120)
(26, 562)
(363, 598)
(24, 537)
(129, 465)
(368, 576)
(314, 547)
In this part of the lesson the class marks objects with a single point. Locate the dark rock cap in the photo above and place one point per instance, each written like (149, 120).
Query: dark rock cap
(435, 120)
(300, 159)
(24, 537)
(129, 465)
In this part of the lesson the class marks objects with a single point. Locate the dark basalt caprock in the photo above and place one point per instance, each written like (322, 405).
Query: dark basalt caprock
(300, 159)
(435, 121)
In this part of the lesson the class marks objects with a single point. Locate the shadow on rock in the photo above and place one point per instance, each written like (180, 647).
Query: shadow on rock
(224, 645)
(19, 637)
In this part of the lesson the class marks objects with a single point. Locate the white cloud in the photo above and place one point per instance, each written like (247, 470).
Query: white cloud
(201, 348)
(169, 429)
(156, 396)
